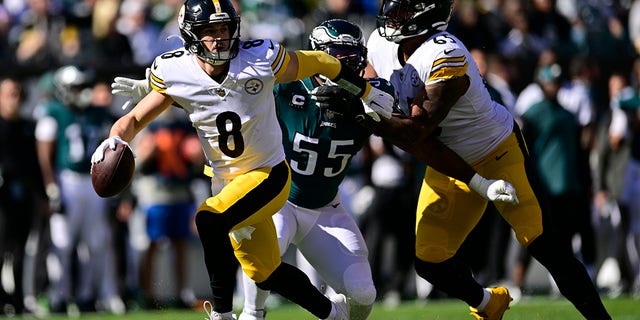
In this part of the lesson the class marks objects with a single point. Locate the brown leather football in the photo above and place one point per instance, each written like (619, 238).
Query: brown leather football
(114, 173)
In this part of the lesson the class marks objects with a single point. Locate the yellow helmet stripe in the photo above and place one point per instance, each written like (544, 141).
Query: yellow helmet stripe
(216, 4)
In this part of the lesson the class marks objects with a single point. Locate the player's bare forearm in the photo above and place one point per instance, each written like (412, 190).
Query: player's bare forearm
(400, 130)
(440, 157)
(149, 108)
(45, 155)
(434, 103)
(124, 128)
(413, 137)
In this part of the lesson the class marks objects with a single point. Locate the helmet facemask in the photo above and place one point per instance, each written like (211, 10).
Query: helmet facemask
(401, 19)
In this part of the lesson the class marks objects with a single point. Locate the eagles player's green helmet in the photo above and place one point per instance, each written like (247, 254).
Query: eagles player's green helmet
(341, 39)
(71, 86)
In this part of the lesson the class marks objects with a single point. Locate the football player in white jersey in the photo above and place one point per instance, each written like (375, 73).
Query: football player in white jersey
(225, 86)
(441, 93)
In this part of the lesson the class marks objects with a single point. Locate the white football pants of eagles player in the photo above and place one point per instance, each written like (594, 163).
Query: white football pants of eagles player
(85, 221)
(330, 240)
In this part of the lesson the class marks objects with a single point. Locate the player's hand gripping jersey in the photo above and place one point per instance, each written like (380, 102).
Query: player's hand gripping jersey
(439, 58)
(242, 133)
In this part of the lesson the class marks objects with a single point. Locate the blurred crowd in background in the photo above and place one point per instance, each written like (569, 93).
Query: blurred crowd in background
(579, 55)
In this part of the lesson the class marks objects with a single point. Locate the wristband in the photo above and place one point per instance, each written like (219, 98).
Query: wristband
(52, 190)
(479, 185)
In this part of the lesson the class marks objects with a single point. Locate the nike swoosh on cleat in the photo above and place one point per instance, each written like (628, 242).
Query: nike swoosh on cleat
(335, 205)
(500, 156)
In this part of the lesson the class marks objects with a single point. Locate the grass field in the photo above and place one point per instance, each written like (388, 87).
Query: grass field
(534, 308)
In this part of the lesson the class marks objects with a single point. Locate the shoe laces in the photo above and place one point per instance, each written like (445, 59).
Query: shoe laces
(208, 309)
(214, 315)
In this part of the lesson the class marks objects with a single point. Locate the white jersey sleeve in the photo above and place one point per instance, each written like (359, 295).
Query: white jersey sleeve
(235, 119)
(575, 98)
(476, 124)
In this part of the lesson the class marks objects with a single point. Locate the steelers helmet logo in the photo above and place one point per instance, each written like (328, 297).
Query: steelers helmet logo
(415, 79)
(181, 17)
(253, 86)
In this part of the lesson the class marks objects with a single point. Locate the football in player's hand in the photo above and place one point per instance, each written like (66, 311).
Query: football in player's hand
(114, 172)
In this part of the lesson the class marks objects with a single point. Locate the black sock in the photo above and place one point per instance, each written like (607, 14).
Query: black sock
(452, 277)
(221, 263)
(293, 284)
(570, 276)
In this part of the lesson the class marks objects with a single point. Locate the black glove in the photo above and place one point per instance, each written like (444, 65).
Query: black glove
(338, 100)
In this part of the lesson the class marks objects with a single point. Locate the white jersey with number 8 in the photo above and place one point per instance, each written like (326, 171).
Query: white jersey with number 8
(235, 119)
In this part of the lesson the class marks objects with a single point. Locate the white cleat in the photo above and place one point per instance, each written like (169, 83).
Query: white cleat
(340, 306)
(253, 315)
(213, 315)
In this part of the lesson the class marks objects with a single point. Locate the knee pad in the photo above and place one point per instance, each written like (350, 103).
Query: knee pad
(359, 284)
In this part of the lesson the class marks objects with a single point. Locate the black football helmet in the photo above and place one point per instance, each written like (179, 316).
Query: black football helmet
(401, 19)
(196, 15)
(341, 39)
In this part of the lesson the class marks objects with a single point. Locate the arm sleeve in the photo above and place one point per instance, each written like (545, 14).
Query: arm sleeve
(46, 129)
(319, 62)
(156, 80)
(316, 62)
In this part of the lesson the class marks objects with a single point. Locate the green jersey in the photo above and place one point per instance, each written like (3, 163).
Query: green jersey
(552, 135)
(79, 132)
(318, 144)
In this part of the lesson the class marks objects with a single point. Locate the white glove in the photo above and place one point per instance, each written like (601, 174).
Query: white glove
(110, 143)
(135, 89)
(494, 190)
(378, 102)
(55, 201)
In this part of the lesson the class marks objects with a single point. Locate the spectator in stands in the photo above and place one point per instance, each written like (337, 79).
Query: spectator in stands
(37, 37)
(520, 44)
(575, 96)
(630, 200)
(611, 156)
(22, 196)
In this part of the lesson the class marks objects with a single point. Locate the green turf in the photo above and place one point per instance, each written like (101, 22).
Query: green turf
(540, 307)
